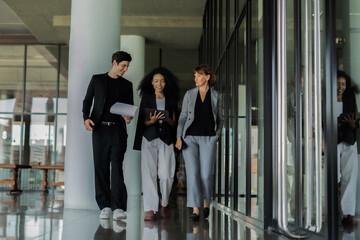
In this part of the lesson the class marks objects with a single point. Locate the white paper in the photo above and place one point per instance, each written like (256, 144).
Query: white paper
(123, 109)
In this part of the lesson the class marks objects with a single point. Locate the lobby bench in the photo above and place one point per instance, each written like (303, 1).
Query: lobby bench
(45, 182)
(14, 181)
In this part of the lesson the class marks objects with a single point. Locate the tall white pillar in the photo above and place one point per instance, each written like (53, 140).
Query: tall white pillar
(94, 36)
(135, 46)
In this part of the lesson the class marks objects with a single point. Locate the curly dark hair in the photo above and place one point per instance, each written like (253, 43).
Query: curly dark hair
(350, 90)
(171, 89)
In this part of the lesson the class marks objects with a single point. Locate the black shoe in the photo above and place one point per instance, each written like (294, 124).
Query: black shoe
(206, 212)
(194, 217)
(349, 220)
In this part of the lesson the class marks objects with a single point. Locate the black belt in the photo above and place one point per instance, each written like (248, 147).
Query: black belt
(109, 123)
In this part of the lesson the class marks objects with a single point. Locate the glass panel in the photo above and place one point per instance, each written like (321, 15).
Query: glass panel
(218, 152)
(41, 101)
(10, 139)
(239, 6)
(216, 29)
(206, 36)
(41, 139)
(291, 110)
(232, 16)
(41, 79)
(11, 78)
(257, 111)
(63, 85)
(348, 60)
(223, 135)
(232, 121)
(223, 25)
(60, 140)
(241, 119)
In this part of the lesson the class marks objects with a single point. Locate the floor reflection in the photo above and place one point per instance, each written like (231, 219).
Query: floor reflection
(32, 216)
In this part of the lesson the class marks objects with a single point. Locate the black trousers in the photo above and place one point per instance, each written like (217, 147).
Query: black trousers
(109, 147)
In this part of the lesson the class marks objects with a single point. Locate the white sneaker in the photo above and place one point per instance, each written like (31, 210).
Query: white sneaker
(119, 226)
(105, 223)
(119, 214)
(105, 213)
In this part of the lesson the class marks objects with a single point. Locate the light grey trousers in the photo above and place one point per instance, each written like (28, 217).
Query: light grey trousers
(199, 155)
(347, 174)
(157, 159)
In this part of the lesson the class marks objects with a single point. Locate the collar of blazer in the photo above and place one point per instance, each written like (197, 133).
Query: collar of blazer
(214, 96)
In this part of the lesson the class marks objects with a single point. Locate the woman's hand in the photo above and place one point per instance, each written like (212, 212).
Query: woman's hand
(154, 118)
(351, 119)
(178, 143)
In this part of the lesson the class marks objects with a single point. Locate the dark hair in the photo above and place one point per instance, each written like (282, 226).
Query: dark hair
(206, 70)
(120, 56)
(349, 90)
(171, 88)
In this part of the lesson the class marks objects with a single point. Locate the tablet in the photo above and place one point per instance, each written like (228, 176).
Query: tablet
(152, 111)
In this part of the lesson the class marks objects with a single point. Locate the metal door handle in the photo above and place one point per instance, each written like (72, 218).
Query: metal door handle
(282, 212)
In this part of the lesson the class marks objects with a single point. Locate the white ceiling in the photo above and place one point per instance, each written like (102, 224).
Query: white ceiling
(174, 26)
(164, 23)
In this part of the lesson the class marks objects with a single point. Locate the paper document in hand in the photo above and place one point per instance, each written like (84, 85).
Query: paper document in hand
(123, 109)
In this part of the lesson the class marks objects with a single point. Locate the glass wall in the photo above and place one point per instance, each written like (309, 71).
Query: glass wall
(348, 60)
(238, 40)
(257, 109)
(11, 101)
(33, 102)
(241, 116)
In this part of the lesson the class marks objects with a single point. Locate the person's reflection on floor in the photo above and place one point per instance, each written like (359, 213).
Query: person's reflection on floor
(205, 227)
(150, 231)
(197, 232)
(106, 231)
(165, 223)
(348, 233)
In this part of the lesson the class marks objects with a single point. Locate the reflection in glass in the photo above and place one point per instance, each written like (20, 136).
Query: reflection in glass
(10, 139)
(41, 140)
(11, 75)
(63, 84)
(41, 77)
(231, 95)
(27, 133)
(241, 118)
(291, 112)
(348, 60)
(60, 140)
(223, 134)
(223, 22)
(257, 111)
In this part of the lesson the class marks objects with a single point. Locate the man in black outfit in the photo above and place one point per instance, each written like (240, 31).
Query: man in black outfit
(109, 136)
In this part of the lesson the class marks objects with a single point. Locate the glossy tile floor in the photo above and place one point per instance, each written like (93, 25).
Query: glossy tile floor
(32, 216)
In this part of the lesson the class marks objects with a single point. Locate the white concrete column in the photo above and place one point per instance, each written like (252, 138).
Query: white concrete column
(135, 46)
(94, 36)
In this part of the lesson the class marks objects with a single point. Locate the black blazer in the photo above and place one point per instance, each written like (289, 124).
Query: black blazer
(97, 91)
(167, 133)
(345, 132)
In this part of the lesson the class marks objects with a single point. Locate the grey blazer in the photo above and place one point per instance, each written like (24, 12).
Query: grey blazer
(187, 114)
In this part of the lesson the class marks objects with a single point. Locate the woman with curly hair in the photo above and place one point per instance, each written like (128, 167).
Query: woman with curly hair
(155, 137)
(347, 154)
